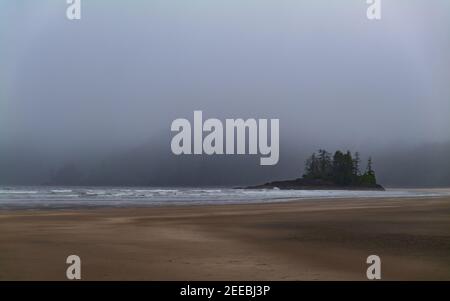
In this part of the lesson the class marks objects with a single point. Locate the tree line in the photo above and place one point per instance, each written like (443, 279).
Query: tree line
(342, 169)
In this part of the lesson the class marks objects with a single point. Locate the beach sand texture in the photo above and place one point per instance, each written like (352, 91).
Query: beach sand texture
(299, 240)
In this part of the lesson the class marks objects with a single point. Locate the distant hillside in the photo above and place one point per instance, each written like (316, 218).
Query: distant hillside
(427, 166)
(424, 166)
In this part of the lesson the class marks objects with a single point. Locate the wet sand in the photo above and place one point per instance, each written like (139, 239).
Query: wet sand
(299, 240)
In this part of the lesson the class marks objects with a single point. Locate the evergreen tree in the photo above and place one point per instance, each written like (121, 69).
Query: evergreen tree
(356, 174)
(348, 169)
(325, 164)
(368, 178)
(312, 167)
(339, 168)
(369, 169)
(342, 169)
(356, 162)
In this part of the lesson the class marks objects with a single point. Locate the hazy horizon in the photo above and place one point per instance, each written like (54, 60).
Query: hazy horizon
(100, 93)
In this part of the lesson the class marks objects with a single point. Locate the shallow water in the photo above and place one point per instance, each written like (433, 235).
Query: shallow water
(56, 197)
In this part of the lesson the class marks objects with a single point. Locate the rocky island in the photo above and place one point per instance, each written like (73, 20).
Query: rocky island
(323, 172)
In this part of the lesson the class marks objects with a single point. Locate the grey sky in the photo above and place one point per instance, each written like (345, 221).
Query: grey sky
(118, 77)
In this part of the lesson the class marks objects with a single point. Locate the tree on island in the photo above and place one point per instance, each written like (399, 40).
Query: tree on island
(369, 178)
(342, 170)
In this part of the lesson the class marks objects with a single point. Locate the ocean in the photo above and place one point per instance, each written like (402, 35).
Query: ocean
(57, 197)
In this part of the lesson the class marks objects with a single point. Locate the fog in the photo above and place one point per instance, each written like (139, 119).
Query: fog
(98, 95)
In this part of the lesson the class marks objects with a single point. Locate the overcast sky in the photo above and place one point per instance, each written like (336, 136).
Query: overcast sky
(119, 76)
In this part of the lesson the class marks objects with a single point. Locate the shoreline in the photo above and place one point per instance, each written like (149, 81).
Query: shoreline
(292, 200)
(79, 202)
(297, 240)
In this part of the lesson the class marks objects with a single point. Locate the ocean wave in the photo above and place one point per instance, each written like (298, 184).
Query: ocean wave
(207, 190)
(57, 197)
(156, 190)
(61, 190)
(7, 191)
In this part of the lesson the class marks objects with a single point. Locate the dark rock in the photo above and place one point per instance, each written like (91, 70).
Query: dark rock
(312, 184)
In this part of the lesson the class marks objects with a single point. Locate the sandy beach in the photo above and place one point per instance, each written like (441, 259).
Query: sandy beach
(299, 240)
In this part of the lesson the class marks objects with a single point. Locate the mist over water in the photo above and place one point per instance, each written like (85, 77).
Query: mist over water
(91, 102)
